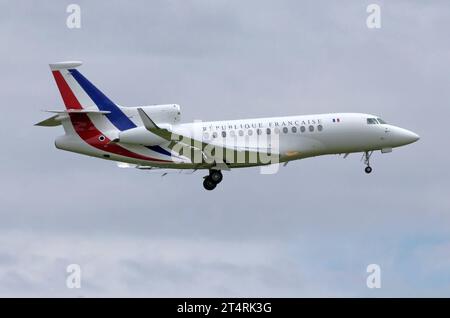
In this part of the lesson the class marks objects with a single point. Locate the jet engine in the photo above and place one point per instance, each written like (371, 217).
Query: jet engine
(164, 115)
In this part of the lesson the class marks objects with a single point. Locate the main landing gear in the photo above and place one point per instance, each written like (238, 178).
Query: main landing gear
(212, 180)
(366, 158)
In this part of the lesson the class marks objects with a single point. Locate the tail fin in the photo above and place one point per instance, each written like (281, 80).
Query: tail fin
(79, 93)
(71, 92)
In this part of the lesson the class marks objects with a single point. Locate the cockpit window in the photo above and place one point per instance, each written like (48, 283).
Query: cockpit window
(375, 121)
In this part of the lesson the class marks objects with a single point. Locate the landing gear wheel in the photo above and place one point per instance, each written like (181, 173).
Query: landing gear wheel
(216, 176)
(209, 184)
(366, 157)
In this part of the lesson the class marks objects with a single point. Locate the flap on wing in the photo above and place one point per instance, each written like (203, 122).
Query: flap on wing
(125, 165)
(164, 171)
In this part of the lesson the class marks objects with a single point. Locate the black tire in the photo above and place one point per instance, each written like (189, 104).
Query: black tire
(368, 170)
(209, 184)
(216, 176)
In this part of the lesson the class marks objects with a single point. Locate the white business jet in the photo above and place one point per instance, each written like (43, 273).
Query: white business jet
(152, 137)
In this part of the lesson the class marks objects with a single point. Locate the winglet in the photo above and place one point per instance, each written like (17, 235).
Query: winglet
(148, 123)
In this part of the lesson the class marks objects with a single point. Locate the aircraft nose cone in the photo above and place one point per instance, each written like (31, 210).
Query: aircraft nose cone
(414, 137)
(407, 137)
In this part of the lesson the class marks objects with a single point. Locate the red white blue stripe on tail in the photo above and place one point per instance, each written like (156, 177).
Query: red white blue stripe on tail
(71, 84)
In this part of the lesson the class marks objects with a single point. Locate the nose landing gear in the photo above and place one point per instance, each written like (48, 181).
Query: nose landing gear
(212, 180)
(366, 158)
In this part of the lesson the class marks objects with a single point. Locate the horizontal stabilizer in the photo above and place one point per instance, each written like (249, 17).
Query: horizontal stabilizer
(50, 122)
(79, 111)
(56, 119)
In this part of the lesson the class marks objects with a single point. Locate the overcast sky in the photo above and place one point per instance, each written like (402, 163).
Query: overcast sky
(309, 230)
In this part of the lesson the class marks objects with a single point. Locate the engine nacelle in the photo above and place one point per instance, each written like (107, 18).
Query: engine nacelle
(163, 115)
(141, 136)
(169, 114)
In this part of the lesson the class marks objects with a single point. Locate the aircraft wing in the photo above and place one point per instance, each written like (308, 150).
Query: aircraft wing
(190, 147)
(163, 171)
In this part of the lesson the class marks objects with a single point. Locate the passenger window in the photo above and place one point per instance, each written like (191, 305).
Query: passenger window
(259, 131)
(311, 128)
(285, 130)
(294, 129)
(302, 129)
(276, 130)
(241, 133)
(250, 132)
(232, 133)
(268, 131)
(224, 134)
(320, 128)
(214, 135)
